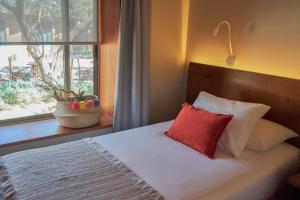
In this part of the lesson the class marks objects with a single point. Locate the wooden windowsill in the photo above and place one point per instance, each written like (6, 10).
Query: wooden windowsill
(41, 130)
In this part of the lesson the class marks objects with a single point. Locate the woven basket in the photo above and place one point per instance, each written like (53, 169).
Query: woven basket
(70, 118)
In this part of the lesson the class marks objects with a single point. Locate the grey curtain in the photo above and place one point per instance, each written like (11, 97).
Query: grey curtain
(131, 103)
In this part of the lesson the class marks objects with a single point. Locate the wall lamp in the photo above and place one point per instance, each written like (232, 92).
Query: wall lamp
(231, 58)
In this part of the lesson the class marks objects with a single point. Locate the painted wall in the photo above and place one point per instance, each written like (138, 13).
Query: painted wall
(269, 42)
(167, 56)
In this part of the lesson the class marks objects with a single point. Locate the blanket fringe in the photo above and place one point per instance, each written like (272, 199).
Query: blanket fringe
(7, 191)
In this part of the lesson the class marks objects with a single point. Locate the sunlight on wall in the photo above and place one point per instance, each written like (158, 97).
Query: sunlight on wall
(185, 23)
(181, 32)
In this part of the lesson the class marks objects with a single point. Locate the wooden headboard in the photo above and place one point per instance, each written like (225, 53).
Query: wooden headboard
(282, 94)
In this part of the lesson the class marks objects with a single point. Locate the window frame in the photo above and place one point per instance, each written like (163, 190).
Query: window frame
(66, 61)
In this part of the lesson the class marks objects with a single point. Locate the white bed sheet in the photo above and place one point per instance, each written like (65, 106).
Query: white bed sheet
(181, 173)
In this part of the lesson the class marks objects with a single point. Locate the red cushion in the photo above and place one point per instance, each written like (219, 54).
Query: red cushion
(199, 129)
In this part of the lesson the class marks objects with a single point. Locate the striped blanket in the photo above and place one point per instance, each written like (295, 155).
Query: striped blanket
(72, 171)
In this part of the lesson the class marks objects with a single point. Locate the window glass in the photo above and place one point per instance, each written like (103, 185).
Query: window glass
(19, 73)
(31, 20)
(83, 21)
(45, 39)
(82, 67)
(46, 20)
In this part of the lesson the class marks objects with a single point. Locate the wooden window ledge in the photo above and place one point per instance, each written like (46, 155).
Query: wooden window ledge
(41, 130)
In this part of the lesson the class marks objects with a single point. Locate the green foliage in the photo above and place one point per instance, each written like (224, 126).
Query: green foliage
(87, 87)
(86, 53)
(9, 92)
(2, 105)
(21, 92)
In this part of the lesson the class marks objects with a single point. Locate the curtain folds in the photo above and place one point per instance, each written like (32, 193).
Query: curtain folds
(132, 87)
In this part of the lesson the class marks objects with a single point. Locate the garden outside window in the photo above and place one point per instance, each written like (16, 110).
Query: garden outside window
(45, 38)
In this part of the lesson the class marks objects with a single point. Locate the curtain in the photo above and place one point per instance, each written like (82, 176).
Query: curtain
(131, 102)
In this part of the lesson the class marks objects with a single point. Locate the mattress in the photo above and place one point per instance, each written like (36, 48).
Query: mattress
(181, 173)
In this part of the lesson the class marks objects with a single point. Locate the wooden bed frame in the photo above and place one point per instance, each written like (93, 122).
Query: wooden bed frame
(282, 94)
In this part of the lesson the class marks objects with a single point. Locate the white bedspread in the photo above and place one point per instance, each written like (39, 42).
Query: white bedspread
(181, 173)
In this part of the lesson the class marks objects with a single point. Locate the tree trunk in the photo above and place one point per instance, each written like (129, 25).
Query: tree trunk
(10, 68)
(38, 60)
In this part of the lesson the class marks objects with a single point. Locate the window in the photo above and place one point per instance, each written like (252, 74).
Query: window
(38, 38)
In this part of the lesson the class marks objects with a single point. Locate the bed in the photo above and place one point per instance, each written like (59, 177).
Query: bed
(173, 171)
(181, 173)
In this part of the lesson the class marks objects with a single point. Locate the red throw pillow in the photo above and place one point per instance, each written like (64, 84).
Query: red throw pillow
(199, 129)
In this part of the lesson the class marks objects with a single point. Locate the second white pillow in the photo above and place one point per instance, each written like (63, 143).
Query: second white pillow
(268, 134)
(239, 129)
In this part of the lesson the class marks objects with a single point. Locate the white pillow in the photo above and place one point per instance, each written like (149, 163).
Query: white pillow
(268, 134)
(239, 129)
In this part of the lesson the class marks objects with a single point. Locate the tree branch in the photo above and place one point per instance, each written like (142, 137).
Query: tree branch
(7, 6)
(79, 31)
